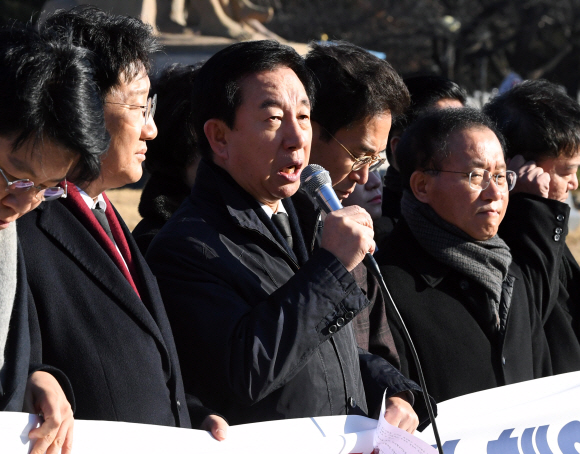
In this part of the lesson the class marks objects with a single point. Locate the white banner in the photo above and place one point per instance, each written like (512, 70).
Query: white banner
(536, 417)
(332, 435)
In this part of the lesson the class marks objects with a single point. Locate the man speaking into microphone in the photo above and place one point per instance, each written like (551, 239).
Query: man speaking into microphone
(261, 320)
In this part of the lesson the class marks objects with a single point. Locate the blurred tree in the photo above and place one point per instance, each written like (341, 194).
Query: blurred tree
(475, 42)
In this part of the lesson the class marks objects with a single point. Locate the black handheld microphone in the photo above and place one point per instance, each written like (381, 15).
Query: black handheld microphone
(315, 180)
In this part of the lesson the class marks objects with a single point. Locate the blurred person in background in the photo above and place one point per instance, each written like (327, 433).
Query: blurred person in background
(173, 157)
(370, 197)
(427, 92)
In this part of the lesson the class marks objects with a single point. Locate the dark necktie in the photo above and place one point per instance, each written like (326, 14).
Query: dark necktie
(282, 223)
(99, 213)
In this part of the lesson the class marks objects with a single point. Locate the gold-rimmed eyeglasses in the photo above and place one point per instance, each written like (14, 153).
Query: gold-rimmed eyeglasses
(148, 109)
(374, 162)
(17, 187)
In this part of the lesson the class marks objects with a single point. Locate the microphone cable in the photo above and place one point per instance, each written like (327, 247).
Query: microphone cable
(372, 266)
(315, 180)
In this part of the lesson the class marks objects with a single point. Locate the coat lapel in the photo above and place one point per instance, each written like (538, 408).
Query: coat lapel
(148, 285)
(61, 225)
(244, 210)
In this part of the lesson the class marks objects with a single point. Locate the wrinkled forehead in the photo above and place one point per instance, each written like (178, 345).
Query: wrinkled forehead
(476, 147)
(271, 83)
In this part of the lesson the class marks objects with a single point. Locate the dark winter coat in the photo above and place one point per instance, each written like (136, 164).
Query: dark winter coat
(270, 330)
(459, 352)
(160, 198)
(22, 354)
(116, 348)
(163, 195)
(531, 226)
(371, 328)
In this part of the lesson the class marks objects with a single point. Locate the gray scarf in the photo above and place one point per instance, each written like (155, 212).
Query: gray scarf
(486, 262)
(8, 254)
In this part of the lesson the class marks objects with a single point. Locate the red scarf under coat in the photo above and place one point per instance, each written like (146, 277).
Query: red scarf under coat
(79, 208)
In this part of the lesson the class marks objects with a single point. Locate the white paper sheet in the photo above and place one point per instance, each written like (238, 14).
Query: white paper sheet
(389, 439)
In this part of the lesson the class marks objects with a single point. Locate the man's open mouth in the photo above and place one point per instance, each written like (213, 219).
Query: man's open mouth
(288, 170)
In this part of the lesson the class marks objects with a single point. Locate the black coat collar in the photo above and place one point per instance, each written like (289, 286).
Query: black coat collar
(215, 186)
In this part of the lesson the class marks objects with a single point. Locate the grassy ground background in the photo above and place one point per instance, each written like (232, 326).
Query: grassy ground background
(127, 200)
(573, 242)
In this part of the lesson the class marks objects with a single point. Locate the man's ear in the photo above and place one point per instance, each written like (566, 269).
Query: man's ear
(394, 142)
(216, 132)
(419, 186)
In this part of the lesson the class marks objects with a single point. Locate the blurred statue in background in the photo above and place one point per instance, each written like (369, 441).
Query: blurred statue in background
(235, 19)
(227, 17)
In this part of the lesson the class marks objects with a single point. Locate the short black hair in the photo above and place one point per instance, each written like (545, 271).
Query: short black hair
(47, 92)
(120, 44)
(537, 119)
(216, 93)
(424, 144)
(175, 146)
(351, 85)
(425, 91)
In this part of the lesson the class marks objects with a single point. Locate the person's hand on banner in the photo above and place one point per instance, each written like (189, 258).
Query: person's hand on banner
(216, 425)
(44, 396)
(400, 413)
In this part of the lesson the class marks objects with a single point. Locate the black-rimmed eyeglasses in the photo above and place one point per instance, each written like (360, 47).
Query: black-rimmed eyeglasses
(41, 194)
(148, 109)
(374, 162)
(479, 179)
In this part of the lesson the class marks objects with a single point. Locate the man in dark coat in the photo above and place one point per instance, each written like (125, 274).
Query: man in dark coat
(541, 125)
(357, 96)
(469, 308)
(268, 318)
(51, 126)
(101, 317)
